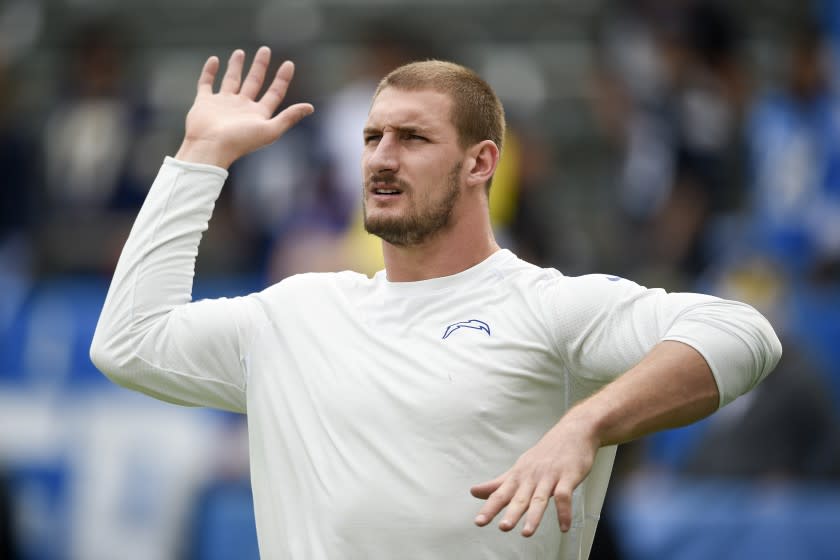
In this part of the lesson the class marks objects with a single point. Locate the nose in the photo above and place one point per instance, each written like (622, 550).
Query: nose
(383, 156)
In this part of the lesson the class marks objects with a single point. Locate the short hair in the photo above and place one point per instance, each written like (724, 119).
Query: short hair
(477, 112)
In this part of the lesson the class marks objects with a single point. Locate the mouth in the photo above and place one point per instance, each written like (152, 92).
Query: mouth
(384, 190)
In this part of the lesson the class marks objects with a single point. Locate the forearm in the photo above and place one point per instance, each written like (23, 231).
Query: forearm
(692, 355)
(148, 338)
(713, 352)
(155, 270)
(672, 386)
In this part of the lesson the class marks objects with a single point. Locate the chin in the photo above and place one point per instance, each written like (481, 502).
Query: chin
(383, 217)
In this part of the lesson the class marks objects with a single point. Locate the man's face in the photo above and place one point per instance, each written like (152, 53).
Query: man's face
(411, 166)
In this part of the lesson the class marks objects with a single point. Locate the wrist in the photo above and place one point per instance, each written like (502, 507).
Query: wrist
(586, 422)
(203, 151)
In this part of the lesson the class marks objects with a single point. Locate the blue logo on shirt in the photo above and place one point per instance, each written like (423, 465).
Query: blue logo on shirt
(471, 324)
(613, 278)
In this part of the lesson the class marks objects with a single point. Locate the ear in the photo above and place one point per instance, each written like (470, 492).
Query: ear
(481, 162)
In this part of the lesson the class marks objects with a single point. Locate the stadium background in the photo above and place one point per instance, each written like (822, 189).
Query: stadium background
(687, 144)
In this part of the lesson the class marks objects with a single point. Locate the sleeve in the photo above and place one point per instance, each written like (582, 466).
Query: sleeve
(604, 325)
(149, 336)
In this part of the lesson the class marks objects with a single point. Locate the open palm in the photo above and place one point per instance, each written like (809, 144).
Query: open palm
(223, 126)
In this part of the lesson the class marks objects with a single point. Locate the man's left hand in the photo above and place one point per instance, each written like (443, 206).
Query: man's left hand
(553, 468)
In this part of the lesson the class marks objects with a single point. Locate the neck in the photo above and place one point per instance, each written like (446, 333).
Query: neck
(468, 242)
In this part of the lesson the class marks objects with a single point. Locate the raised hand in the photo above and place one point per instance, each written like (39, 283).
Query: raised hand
(553, 468)
(222, 127)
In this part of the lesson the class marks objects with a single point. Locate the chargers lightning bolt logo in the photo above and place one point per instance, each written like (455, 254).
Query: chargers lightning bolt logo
(471, 324)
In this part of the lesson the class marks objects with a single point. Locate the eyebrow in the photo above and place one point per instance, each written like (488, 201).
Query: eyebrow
(402, 129)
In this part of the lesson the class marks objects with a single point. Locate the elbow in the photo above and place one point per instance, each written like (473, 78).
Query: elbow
(738, 342)
(99, 356)
(774, 349)
(766, 349)
(762, 342)
(107, 359)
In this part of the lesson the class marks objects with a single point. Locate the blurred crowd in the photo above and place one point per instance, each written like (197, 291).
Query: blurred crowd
(719, 178)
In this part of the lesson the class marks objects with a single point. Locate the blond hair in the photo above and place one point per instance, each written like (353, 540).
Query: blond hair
(477, 112)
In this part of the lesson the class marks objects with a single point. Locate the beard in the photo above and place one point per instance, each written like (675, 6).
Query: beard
(421, 221)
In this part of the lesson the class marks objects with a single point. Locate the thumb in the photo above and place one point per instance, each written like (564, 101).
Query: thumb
(482, 491)
(289, 117)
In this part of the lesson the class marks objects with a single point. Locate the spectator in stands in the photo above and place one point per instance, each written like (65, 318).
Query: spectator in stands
(794, 138)
(671, 91)
(787, 430)
(89, 142)
(17, 202)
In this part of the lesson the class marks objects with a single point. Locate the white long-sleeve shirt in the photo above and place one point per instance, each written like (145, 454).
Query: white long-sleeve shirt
(373, 406)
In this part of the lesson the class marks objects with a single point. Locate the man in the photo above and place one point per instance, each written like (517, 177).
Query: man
(374, 405)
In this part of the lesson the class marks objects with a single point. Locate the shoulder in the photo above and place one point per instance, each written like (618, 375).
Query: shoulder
(316, 284)
(517, 272)
(577, 301)
(304, 294)
(596, 285)
(552, 295)
(550, 283)
(313, 280)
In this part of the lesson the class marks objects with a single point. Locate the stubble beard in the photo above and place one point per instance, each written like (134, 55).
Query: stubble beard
(417, 225)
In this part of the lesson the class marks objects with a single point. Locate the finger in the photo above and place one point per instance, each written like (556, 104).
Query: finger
(496, 502)
(536, 509)
(233, 75)
(563, 503)
(254, 80)
(208, 75)
(289, 117)
(482, 491)
(517, 506)
(279, 85)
